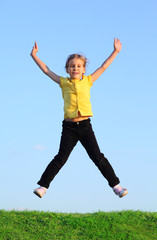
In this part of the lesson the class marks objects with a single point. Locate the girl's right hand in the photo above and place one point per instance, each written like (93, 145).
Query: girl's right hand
(35, 49)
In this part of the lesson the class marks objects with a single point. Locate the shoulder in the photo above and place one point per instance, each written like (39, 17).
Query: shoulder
(63, 81)
(88, 79)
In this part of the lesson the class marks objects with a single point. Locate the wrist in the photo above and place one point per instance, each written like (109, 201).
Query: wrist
(116, 51)
(33, 55)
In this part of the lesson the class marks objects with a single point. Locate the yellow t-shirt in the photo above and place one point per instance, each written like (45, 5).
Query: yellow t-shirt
(76, 95)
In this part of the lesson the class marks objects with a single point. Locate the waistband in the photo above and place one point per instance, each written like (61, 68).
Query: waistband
(76, 123)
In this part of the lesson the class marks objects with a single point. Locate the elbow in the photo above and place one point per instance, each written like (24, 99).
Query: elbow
(46, 70)
(103, 68)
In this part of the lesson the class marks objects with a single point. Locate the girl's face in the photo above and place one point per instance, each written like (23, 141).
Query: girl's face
(76, 68)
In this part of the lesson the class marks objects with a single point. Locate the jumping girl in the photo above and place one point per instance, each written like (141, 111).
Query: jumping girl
(76, 125)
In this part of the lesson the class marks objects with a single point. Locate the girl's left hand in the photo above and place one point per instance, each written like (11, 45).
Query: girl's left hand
(117, 45)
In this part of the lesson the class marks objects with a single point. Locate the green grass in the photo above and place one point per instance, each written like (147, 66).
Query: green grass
(56, 226)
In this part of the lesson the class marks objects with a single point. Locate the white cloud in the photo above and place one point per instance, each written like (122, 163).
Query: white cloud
(39, 147)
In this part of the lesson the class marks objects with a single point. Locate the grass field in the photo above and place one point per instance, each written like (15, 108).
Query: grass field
(100, 225)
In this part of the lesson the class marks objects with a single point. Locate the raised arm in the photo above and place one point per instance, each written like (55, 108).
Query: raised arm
(109, 60)
(43, 66)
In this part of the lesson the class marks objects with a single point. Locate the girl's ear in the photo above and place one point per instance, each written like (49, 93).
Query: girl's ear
(84, 70)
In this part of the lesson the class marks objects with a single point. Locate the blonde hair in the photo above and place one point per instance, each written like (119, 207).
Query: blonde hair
(76, 55)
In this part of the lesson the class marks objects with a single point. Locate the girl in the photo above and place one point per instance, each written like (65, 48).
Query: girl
(76, 125)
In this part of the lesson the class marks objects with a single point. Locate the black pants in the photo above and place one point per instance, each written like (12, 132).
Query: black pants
(72, 133)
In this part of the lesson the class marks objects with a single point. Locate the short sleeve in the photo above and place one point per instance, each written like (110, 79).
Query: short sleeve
(90, 80)
(62, 80)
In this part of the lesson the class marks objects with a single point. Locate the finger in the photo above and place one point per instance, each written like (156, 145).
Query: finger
(36, 45)
(119, 41)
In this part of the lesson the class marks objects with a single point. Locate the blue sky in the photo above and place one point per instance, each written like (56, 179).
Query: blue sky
(123, 100)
